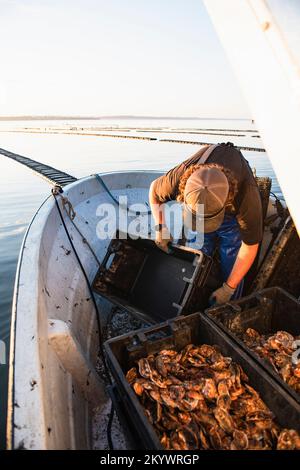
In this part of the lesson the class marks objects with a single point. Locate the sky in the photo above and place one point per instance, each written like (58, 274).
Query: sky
(114, 57)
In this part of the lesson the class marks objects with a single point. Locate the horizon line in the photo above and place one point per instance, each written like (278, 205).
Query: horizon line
(24, 117)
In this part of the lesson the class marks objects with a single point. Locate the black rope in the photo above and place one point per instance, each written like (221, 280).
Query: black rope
(276, 197)
(84, 240)
(100, 339)
(89, 287)
(100, 180)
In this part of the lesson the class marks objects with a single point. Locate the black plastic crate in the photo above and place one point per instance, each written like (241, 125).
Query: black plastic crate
(266, 311)
(139, 277)
(132, 437)
(123, 352)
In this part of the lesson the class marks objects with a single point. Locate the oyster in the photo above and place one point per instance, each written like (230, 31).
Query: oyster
(132, 375)
(209, 389)
(277, 349)
(199, 399)
(215, 438)
(252, 337)
(224, 419)
(206, 350)
(184, 417)
(161, 366)
(204, 443)
(296, 371)
(144, 368)
(288, 439)
(240, 440)
(224, 399)
(165, 441)
(281, 340)
(188, 438)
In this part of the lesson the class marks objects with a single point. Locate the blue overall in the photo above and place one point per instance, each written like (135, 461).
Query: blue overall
(229, 240)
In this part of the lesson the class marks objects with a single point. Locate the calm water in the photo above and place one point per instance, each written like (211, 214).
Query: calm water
(22, 192)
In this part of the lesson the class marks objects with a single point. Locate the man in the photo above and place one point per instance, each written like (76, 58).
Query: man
(219, 177)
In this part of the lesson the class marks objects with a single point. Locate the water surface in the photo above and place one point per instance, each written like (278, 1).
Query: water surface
(22, 192)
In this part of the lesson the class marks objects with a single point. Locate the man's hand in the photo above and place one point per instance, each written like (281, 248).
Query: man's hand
(163, 240)
(221, 295)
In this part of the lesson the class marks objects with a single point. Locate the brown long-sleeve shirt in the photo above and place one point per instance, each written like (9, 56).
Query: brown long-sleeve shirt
(247, 203)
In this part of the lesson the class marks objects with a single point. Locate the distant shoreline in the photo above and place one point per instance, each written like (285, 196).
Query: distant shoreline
(98, 118)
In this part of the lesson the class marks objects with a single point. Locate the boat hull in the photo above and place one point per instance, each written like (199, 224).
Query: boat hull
(53, 386)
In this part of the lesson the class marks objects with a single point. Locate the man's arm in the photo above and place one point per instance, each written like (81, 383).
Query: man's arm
(156, 205)
(162, 236)
(250, 222)
(243, 262)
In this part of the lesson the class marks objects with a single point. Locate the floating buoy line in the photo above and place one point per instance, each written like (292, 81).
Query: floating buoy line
(122, 136)
(49, 173)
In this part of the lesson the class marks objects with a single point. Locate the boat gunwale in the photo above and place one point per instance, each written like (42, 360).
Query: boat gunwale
(12, 344)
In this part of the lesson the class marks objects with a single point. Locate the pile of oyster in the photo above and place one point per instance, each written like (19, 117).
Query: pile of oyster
(277, 349)
(199, 399)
